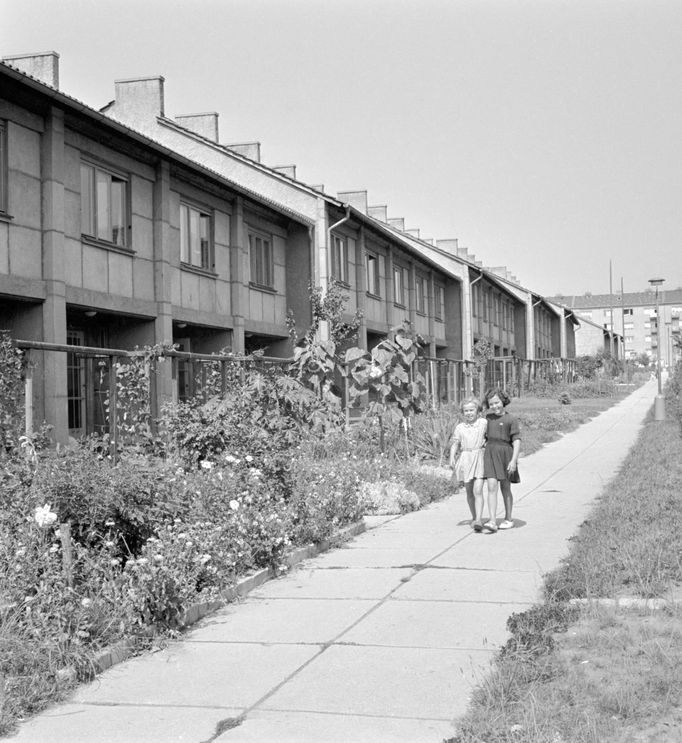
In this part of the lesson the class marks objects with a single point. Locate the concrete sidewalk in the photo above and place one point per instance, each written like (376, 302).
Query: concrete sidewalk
(379, 641)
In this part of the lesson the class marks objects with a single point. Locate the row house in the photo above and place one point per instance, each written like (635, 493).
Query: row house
(113, 237)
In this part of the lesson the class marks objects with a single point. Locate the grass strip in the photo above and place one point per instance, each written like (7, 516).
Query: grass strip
(596, 674)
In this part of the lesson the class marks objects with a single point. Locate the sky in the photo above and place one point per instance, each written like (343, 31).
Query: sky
(545, 135)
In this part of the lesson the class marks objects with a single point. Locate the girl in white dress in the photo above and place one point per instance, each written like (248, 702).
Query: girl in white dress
(466, 457)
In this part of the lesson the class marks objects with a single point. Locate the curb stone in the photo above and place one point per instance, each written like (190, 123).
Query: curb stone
(124, 649)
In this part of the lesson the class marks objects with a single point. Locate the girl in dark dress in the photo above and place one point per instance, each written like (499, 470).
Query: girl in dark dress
(501, 456)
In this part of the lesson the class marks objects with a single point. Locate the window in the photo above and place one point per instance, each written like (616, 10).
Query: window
(421, 294)
(104, 205)
(262, 263)
(496, 316)
(3, 166)
(628, 326)
(440, 303)
(627, 311)
(400, 285)
(195, 237)
(340, 258)
(373, 277)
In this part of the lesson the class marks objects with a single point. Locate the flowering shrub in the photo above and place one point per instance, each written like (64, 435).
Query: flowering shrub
(325, 494)
(389, 497)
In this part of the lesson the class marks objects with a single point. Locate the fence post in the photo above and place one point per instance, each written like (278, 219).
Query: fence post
(113, 412)
(67, 554)
(153, 399)
(223, 378)
(28, 394)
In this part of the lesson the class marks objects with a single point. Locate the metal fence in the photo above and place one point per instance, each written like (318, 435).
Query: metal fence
(98, 400)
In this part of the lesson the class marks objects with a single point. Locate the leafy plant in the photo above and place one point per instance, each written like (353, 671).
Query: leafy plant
(387, 376)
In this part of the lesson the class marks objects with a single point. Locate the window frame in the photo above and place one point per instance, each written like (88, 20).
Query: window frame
(339, 256)
(373, 286)
(421, 294)
(400, 272)
(439, 302)
(95, 229)
(267, 263)
(207, 253)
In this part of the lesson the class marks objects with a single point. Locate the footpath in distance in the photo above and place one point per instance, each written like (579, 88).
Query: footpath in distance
(380, 641)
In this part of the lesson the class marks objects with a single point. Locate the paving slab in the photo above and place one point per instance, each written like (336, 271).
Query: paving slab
(434, 624)
(316, 621)
(293, 727)
(192, 674)
(417, 683)
(75, 723)
(347, 583)
(469, 584)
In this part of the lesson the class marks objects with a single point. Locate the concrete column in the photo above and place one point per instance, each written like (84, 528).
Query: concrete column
(431, 313)
(411, 295)
(54, 307)
(390, 310)
(163, 268)
(239, 274)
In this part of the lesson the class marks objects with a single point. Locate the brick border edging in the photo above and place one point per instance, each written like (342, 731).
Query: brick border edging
(124, 649)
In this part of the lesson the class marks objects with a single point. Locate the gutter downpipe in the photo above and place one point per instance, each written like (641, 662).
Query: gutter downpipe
(329, 237)
(324, 278)
(470, 382)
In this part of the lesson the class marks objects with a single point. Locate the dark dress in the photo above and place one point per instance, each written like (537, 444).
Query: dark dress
(502, 430)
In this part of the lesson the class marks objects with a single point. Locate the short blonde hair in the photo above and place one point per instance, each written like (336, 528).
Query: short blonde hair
(471, 400)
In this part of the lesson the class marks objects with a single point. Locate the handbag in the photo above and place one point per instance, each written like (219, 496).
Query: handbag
(515, 477)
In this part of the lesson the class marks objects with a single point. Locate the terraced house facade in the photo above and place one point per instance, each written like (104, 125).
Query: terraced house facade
(122, 228)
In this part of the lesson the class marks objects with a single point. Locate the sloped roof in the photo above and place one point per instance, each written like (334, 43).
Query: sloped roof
(627, 299)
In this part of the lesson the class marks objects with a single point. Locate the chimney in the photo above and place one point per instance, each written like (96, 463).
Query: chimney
(357, 199)
(138, 102)
(464, 253)
(44, 66)
(449, 245)
(428, 240)
(414, 232)
(318, 187)
(378, 212)
(398, 223)
(287, 170)
(247, 149)
(205, 125)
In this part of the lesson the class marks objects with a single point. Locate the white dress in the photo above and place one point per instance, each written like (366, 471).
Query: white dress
(471, 439)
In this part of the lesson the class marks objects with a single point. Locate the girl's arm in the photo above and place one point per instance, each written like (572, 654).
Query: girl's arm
(516, 450)
(454, 449)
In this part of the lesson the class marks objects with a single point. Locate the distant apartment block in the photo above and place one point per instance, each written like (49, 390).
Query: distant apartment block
(633, 316)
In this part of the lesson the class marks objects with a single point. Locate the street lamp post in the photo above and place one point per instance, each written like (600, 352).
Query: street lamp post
(659, 401)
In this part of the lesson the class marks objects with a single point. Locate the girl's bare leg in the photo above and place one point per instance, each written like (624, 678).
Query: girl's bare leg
(469, 487)
(478, 499)
(508, 498)
(492, 497)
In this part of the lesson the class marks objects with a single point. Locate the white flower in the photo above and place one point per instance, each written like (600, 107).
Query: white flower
(205, 559)
(86, 602)
(205, 465)
(114, 562)
(248, 458)
(234, 505)
(158, 558)
(142, 561)
(232, 460)
(54, 548)
(109, 544)
(44, 516)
